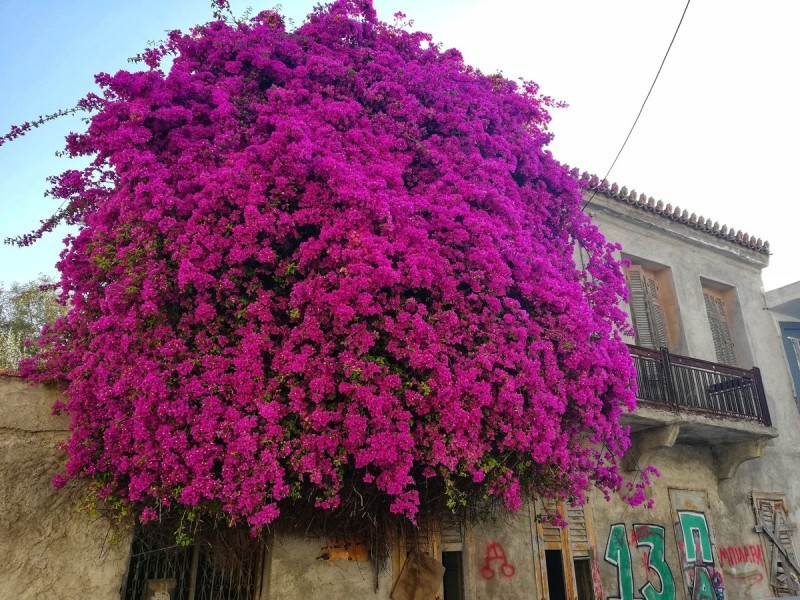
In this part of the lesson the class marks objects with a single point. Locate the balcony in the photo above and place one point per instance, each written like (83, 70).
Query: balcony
(691, 401)
(681, 383)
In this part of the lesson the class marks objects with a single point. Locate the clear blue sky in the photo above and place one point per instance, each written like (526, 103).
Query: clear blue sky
(718, 137)
(49, 53)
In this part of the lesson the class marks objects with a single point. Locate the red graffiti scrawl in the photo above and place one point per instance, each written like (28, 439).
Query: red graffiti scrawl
(496, 553)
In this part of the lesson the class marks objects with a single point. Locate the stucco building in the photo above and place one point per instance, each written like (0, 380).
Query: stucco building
(717, 415)
(718, 369)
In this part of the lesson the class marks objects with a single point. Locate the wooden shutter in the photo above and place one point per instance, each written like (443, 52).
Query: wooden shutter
(718, 320)
(773, 514)
(574, 542)
(656, 312)
(646, 311)
(780, 557)
(578, 531)
(551, 536)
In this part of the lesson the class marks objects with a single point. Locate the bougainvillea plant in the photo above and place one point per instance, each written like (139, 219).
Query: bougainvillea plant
(331, 266)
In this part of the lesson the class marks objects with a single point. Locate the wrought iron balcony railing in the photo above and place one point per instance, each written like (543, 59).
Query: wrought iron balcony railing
(681, 383)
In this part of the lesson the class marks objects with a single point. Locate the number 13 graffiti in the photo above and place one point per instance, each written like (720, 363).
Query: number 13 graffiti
(618, 553)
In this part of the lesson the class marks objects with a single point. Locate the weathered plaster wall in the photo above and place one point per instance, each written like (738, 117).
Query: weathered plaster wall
(501, 558)
(749, 571)
(694, 258)
(47, 549)
(298, 571)
(687, 483)
(499, 562)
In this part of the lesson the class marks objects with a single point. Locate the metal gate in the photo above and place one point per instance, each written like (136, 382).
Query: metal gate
(227, 568)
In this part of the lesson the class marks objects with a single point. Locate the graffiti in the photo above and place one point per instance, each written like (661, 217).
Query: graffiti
(652, 538)
(496, 553)
(597, 581)
(692, 523)
(730, 556)
(645, 560)
(618, 553)
(744, 563)
(748, 575)
(703, 580)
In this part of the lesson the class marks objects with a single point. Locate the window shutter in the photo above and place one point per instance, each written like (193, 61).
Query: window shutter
(451, 534)
(551, 534)
(578, 531)
(646, 312)
(771, 513)
(575, 539)
(575, 535)
(718, 320)
(570, 546)
(774, 515)
(655, 311)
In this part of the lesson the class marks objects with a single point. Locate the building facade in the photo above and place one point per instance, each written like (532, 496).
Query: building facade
(717, 413)
(718, 369)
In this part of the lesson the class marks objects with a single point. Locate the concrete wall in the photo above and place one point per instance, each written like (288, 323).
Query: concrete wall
(47, 549)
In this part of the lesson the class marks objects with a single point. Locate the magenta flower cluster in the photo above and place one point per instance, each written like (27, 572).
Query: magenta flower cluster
(324, 255)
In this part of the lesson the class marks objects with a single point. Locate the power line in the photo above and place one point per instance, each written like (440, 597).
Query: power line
(652, 85)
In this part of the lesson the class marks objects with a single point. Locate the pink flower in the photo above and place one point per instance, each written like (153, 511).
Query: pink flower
(327, 256)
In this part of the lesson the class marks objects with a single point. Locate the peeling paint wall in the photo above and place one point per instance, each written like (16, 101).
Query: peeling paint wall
(638, 552)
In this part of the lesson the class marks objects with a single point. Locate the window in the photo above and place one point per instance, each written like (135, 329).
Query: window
(451, 543)
(566, 555)
(453, 580)
(718, 320)
(647, 311)
(790, 333)
(554, 564)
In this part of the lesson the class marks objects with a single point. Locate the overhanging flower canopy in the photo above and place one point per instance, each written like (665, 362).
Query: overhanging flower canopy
(320, 264)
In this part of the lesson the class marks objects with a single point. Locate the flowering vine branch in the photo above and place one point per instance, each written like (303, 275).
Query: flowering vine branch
(331, 266)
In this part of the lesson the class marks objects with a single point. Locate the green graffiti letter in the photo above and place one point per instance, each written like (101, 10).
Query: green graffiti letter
(619, 555)
(652, 536)
(692, 522)
(703, 588)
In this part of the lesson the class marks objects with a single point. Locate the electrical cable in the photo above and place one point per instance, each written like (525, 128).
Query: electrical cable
(652, 85)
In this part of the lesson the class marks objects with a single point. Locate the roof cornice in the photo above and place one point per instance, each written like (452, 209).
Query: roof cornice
(674, 213)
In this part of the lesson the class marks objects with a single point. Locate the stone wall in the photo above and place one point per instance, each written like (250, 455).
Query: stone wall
(48, 549)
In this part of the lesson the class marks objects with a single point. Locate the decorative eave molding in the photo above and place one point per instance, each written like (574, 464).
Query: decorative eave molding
(674, 213)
